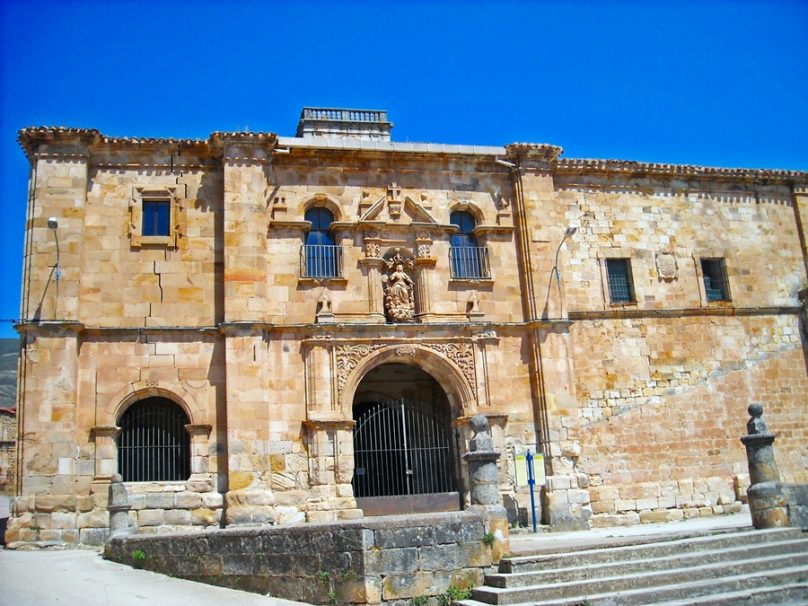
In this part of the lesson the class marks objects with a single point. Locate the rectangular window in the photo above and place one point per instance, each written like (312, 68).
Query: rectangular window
(620, 282)
(715, 279)
(156, 218)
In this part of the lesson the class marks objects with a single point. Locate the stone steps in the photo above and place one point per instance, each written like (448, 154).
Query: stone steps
(755, 567)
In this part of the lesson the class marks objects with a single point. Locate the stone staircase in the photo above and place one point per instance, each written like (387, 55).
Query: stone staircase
(739, 567)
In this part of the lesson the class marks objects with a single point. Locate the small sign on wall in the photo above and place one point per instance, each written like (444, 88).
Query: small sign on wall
(522, 476)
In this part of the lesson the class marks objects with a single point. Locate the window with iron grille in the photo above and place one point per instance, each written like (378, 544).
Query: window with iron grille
(153, 445)
(621, 289)
(714, 273)
(467, 260)
(320, 257)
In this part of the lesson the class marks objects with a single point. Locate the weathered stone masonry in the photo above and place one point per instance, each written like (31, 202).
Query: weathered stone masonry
(637, 405)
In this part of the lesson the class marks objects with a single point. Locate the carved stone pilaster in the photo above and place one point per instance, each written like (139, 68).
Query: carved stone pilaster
(375, 292)
(423, 298)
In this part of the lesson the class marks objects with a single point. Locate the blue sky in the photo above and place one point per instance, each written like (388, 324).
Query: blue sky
(715, 83)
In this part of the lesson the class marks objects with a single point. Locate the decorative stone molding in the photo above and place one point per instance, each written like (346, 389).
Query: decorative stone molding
(373, 245)
(175, 196)
(460, 354)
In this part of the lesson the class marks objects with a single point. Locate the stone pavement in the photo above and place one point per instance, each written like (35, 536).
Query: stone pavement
(80, 576)
(77, 576)
(625, 535)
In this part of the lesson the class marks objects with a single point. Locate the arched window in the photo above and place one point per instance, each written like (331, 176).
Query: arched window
(320, 257)
(153, 445)
(467, 259)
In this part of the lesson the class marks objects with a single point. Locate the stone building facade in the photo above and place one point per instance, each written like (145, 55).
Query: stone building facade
(8, 450)
(275, 297)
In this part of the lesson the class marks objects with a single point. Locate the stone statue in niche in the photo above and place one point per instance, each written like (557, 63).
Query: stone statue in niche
(399, 299)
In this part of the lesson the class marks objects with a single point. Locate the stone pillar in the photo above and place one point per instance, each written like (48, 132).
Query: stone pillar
(423, 306)
(767, 502)
(118, 506)
(375, 292)
(484, 484)
(331, 467)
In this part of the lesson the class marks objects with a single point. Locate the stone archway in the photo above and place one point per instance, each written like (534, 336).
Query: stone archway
(405, 449)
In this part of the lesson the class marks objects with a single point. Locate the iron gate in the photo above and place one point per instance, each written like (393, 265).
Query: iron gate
(401, 449)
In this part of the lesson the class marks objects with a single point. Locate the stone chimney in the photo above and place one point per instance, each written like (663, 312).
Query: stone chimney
(363, 124)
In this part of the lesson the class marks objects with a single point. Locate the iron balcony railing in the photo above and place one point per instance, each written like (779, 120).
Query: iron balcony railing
(469, 262)
(320, 261)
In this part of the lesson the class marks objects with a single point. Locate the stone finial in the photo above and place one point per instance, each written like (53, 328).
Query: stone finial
(756, 425)
(482, 440)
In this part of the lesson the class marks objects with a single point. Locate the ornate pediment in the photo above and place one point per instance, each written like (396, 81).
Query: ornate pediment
(393, 208)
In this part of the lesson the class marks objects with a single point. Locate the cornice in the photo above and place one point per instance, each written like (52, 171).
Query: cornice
(579, 166)
(545, 151)
(92, 139)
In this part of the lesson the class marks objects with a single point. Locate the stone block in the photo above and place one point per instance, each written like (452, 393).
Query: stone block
(205, 517)
(93, 536)
(578, 496)
(186, 500)
(439, 557)
(625, 505)
(399, 561)
(93, 519)
(150, 517)
(212, 500)
(50, 503)
(603, 507)
(159, 500)
(408, 536)
(655, 517)
(644, 504)
(178, 517)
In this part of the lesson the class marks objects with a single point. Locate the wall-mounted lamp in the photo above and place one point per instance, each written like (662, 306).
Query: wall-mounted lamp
(570, 231)
(53, 224)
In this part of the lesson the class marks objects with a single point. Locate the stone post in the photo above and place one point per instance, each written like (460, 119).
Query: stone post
(484, 484)
(767, 502)
(118, 506)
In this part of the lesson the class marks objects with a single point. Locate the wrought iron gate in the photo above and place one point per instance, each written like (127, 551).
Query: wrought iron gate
(401, 449)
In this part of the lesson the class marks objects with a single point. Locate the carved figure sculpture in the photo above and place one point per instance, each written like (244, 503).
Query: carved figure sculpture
(399, 301)
(398, 295)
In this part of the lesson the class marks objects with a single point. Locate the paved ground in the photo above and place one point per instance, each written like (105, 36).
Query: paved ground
(42, 578)
(78, 576)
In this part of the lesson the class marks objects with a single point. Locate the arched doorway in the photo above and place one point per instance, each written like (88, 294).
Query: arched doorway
(405, 450)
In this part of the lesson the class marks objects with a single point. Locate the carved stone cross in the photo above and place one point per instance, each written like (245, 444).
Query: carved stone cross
(393, 192)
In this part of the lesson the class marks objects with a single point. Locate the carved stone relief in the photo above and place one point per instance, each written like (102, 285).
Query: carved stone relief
(667, 268)
(373, 245)
(349, 357)
(399, 298)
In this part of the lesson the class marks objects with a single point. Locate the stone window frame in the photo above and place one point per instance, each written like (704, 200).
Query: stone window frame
(480, 233)
(333, 206)
(635, 268)
(702, 287)
(174, 195)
